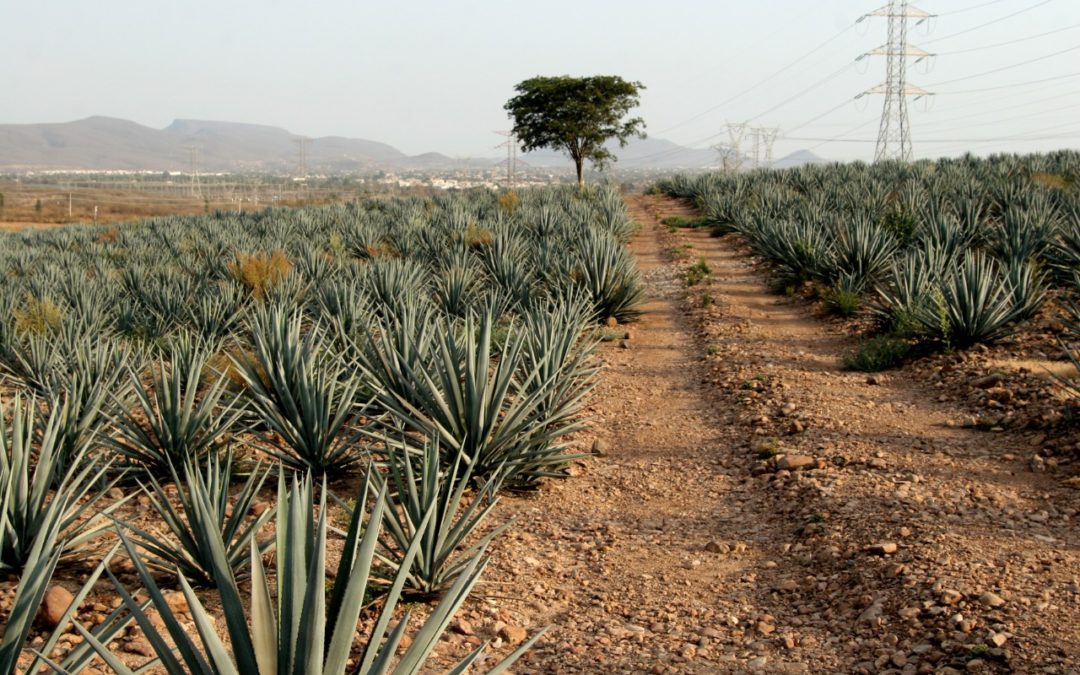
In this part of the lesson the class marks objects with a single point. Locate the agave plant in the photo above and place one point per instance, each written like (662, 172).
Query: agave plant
(303, 394)
(34, 493)
(299, 624)
(973, 304)
(179, 418)
(490, 415)
(209, 517)
(421, 486)
(606, 271)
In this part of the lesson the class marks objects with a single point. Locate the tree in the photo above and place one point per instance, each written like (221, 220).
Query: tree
(577, 115)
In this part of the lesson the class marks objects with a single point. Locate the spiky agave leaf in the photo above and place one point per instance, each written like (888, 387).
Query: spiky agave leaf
(208, 512)
(305, 631)
(606, 270)
(975, 302)
(31, 482)
(305, 395)
(480, 409)
(419, 485)
(180, 416)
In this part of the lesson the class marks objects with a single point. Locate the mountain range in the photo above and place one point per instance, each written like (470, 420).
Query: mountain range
(106, 143)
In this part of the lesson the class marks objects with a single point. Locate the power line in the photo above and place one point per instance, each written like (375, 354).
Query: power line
(1001, 120)
(759, 83)
(1010, 67)
(1009, 42)
(969, 8)
(988, 23)
(1009, 86)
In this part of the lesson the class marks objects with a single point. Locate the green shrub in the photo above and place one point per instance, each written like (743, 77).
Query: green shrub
(697, 273)
(878, 353)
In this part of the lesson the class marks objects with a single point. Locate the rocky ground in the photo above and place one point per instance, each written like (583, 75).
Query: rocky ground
(757, 509)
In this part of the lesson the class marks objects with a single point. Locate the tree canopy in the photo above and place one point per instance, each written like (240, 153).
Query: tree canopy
(577, 115)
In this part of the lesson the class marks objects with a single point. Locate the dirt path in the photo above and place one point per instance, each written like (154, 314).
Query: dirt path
(758, 509)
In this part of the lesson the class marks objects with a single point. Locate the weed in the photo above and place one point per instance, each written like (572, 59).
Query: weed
(714, 350)
(977, 651)
(697, 273)
(842, 302)
(509, 202)
(768, 448)
(683, 221)
(878, 353)
(261, 272)
(706, 300)
(681, 252)
(476, 236)
(38, 316)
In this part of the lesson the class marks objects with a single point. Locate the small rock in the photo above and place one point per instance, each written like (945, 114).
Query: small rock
(872, 613)
(462, 627)
(624, 344)
(176, 602)
(56, 601)
(998, 639)
(951, 597)
(611, 322)
(513, 634)
(115, 493)
(987, 382)
(794, 462)
(139, 646)
(796, 427)
(600, 448)
(991, 599)
(884, 548)
(716, 547)
(870, 379)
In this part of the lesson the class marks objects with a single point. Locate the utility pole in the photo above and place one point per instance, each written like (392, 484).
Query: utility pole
(301, 145)
(894, 131)
(196, 184)
(511, 156)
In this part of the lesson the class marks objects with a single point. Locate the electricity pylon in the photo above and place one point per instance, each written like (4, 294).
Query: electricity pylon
(301, 145)
(511, 156)
(763, 139)
(731, 156)
(193, 158)
(894, 131)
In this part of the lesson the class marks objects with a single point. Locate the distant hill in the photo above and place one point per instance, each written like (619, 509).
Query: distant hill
(104, 143)
(107, 143)
(798, 158)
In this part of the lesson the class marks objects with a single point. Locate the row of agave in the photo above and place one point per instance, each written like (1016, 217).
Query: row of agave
(955, 250)
(437, 350)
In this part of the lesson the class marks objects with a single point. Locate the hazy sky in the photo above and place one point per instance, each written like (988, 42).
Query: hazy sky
(433, 75)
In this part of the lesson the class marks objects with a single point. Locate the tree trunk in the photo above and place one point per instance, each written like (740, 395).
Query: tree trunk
(580, 164)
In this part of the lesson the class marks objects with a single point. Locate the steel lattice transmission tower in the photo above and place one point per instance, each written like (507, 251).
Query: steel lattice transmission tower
(894, 132)
(193, 175)
(511, 156)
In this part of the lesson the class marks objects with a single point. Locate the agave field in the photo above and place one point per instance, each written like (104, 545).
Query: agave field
(423, 354)
(943, 254)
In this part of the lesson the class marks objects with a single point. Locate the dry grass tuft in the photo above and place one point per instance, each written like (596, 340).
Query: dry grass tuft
(260, 272)
(38, 316)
